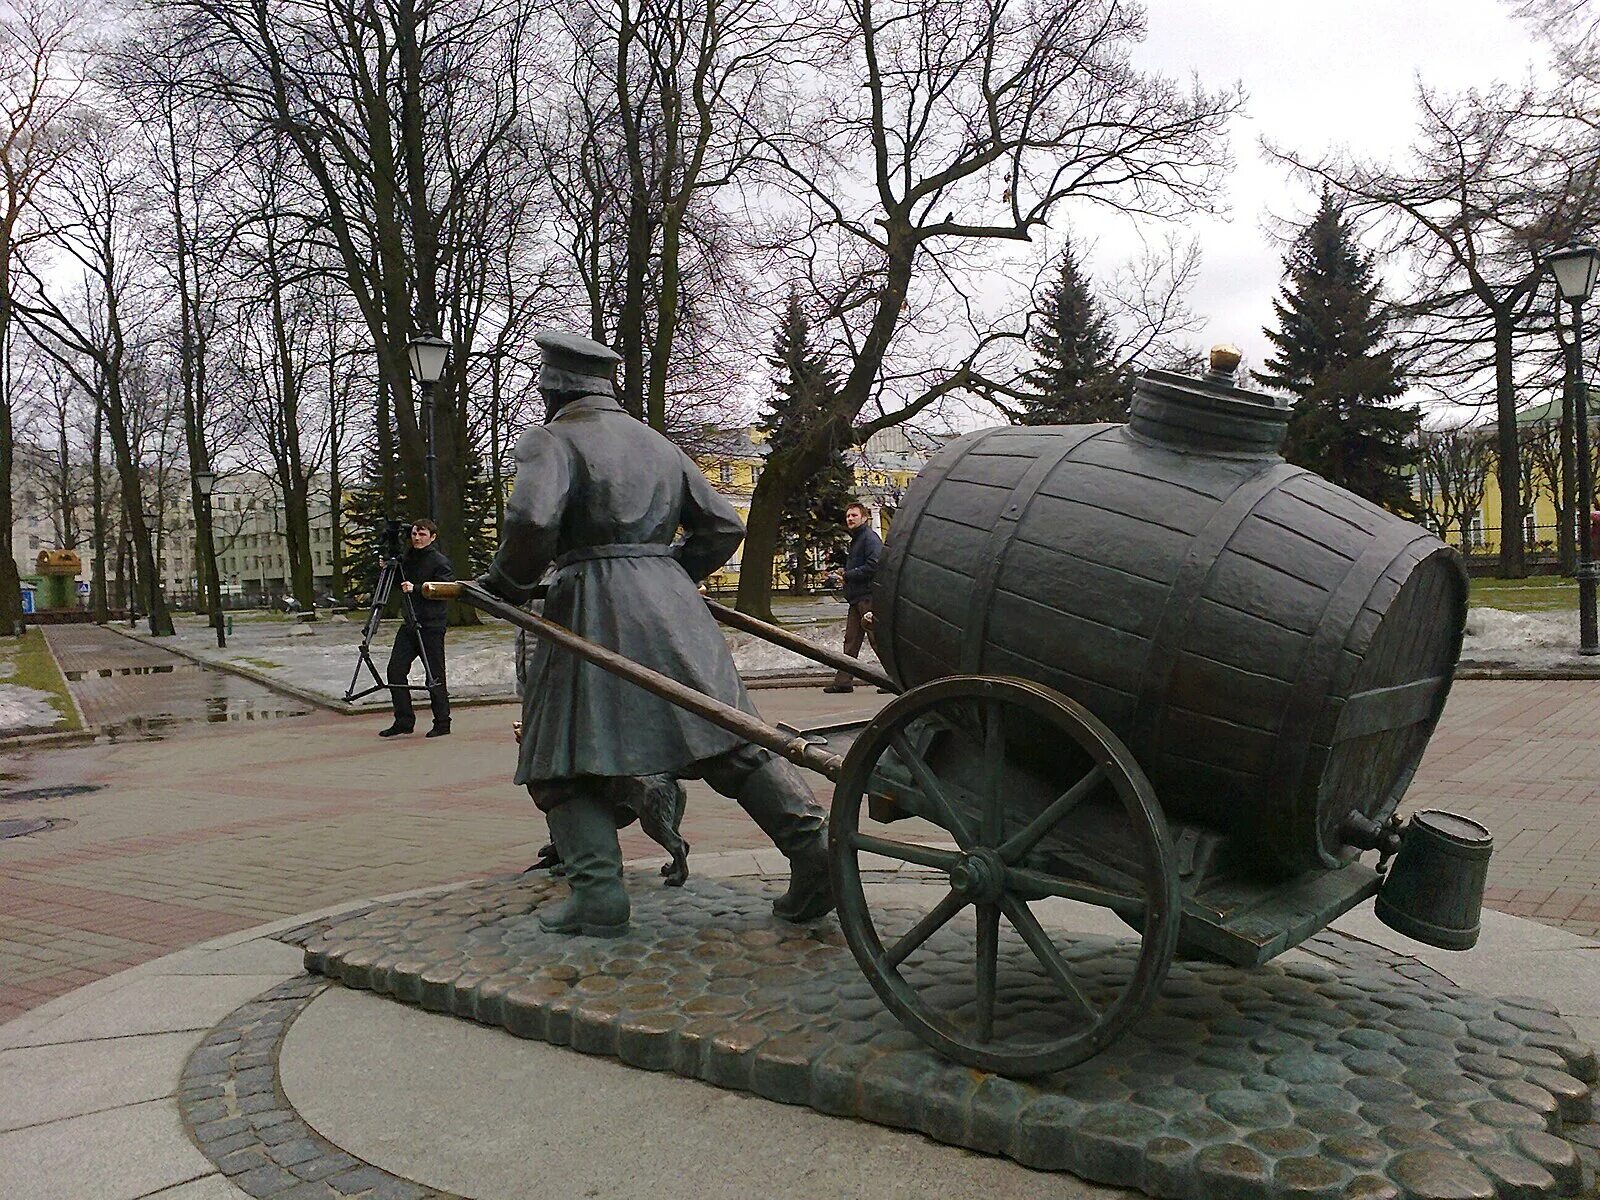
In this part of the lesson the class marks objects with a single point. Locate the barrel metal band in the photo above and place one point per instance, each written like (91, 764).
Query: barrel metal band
(1310, 695)
(998, 544)
(1172, 631)
(901, 539)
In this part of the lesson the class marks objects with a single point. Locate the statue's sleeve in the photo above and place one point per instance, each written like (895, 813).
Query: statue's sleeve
(533, 517)
(711, 525)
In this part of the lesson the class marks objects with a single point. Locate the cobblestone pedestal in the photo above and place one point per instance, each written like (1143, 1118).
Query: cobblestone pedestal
(1352, 1078)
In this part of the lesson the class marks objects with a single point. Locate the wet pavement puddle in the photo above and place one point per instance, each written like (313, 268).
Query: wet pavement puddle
(112, 672)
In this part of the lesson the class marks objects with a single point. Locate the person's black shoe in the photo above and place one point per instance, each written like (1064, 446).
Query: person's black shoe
(838, 687)
(396, 730)
(438, 731)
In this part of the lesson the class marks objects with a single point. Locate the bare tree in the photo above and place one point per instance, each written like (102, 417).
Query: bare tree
(1453, 470)
(40, 79)
(935, 131)
(397, 111)
(1541, 444)
(1496, 179)
(98, 195)
(190, 150)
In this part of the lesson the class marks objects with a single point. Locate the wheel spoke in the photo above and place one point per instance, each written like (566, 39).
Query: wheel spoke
(1036, 885)
(1029, 837)
(994, 765)
(944, 811)
(1049, 957)
(988, 967)
(924, 929)
(923, 856)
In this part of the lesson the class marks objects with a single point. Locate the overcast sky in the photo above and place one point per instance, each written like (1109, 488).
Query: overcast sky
(1316, 75)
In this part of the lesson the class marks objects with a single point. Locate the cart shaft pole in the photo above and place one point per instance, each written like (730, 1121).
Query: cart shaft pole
(734, 720)
(735, 619)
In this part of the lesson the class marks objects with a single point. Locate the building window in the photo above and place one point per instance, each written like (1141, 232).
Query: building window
(1530, 530)
(1475, 532)
(726, 471)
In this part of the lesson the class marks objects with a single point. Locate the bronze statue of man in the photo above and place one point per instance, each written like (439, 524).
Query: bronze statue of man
(601, 498)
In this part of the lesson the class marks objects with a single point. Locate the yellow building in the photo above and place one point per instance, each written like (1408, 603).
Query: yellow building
(883, 469)
(1538, 434)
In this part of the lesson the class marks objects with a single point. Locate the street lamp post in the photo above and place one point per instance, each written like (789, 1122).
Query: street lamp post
(428, 352)
(132, 582)
(150, 517)
(1575, 267)
(205, 483)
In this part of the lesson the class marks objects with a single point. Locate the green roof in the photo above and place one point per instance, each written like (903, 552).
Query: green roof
(1550, 411)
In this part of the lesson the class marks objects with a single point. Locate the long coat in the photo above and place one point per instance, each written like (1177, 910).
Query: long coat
(600, 497)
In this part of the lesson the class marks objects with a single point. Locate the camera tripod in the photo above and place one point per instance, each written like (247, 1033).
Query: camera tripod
(387, 574)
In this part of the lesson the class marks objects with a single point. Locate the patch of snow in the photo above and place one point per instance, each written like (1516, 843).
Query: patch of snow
(479, 662)
(1497, 629)
(25, 709)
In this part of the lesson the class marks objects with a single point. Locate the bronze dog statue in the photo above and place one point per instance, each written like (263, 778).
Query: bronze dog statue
(657, 802)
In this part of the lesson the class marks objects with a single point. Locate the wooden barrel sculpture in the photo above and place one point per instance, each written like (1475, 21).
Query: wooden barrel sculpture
(1274, 650)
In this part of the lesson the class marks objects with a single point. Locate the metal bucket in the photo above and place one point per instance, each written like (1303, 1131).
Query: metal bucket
(1434, 889)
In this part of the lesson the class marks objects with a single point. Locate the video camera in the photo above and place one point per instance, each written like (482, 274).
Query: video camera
(396, 536)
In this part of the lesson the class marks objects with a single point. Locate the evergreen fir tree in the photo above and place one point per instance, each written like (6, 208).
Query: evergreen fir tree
(364, 522)
(477, 502)
(1333, 356)
(811, 530)
(1075, 379)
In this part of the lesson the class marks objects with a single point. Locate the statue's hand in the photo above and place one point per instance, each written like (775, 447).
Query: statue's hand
(516, 731)
(494, 587)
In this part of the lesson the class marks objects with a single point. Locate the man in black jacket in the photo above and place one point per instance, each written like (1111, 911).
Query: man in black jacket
(860, 565)
(422, 563)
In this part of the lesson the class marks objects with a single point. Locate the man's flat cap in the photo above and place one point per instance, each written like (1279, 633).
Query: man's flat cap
(576, 355)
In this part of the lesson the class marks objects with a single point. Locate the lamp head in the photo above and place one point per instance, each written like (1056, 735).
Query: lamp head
(428, 352)
(1575, 267)
(204, 482)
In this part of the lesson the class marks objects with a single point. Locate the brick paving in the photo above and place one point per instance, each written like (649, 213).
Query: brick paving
(117, 681)
(219, 828)
(212, 829)
(1523, 757)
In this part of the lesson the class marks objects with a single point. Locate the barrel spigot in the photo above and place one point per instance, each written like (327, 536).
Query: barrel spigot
(1364, 833)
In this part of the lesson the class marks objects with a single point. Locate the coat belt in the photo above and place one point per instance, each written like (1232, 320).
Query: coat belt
(619, 550)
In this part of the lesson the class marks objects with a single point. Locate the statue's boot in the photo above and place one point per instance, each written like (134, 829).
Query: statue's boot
(585, 833)
(778, 800)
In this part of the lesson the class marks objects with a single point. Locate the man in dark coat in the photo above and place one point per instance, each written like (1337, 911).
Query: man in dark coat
(600, 497)
(423, 562)
(860, 565)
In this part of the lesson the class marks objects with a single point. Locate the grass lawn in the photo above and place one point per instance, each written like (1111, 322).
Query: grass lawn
(1537, 593)
(33, 667)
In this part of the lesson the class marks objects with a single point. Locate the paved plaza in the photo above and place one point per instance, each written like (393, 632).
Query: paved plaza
(203, 827)
(214, 806)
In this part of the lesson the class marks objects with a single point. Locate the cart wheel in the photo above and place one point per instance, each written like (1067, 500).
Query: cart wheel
(980, 757)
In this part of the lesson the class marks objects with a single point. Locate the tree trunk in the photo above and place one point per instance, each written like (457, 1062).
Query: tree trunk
(1513, 561)
(760, 548)
(10, 577)
(98, 601)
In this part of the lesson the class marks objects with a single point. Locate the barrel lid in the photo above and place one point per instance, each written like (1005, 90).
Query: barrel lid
(1209, 413)
(1453, 826)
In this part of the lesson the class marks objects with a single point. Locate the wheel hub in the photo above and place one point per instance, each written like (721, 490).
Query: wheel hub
(979, 876)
